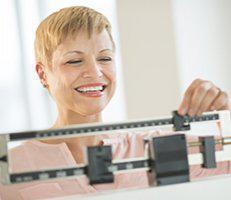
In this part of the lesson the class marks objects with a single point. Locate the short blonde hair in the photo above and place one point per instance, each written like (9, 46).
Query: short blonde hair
(53, 30)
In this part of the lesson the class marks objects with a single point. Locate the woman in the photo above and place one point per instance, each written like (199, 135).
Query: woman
(75, 61)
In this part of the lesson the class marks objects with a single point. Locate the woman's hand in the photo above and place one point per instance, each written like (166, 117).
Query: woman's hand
(203, 96)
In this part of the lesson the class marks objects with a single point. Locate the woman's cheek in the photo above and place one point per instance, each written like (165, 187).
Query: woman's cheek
(68, 74)
(111, 73)
(58, 85)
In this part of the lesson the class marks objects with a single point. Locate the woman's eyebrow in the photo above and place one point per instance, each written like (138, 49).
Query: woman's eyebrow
(105, 50)
(80, 52)
(75, 51)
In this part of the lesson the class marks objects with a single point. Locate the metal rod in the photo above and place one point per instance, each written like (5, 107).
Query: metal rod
(217, 141)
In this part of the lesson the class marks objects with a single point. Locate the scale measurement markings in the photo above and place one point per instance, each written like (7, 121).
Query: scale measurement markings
(106, 127)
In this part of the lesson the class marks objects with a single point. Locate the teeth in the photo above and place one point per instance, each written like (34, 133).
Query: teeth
(90, 89)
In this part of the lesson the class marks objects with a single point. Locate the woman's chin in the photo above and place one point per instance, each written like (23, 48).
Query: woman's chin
(91, 110)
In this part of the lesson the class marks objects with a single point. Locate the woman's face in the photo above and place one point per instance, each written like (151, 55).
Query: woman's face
(82, 77)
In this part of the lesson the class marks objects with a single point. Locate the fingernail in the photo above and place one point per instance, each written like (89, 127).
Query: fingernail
(212, 108)
(191, 112)
(183, 111)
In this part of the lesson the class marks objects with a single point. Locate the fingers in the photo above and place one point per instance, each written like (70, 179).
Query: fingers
(202, 96)
(198, 96)
(184, 107)
(206, 103)
(221, 102)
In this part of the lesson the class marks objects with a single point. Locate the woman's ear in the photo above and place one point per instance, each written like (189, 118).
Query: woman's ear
(40, 69)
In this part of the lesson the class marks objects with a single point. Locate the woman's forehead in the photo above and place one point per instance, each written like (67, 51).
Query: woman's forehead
(82, 42)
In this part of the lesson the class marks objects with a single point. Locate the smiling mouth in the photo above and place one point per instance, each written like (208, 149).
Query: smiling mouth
(91, 89)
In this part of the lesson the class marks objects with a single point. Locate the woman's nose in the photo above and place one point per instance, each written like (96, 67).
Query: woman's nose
(92, 70)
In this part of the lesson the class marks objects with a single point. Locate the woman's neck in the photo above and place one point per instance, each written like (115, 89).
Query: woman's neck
(68, 117)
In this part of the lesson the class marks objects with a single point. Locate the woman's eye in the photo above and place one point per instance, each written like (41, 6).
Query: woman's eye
(74, 61)
(105, 59)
